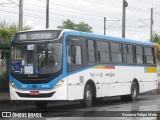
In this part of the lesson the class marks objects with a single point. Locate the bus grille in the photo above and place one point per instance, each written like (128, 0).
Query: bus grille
(42, 95)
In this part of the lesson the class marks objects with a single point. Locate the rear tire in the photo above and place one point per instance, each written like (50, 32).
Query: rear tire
(133, 95)
(41, 104)
(134, 92)
(88, 96)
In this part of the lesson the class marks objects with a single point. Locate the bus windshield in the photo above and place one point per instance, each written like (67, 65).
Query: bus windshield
(36, 58)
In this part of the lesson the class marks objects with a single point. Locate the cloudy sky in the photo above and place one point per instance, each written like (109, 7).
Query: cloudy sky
(88, 11)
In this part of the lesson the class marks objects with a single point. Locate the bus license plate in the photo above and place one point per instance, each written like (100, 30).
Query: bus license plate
(34, 92)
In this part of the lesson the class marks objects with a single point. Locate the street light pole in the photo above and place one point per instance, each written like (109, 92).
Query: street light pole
(104, 25)
(125, 4)
(20, 15)
(151, 26)
(47, 14)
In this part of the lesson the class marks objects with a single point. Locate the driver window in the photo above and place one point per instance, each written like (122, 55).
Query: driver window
(74, 55)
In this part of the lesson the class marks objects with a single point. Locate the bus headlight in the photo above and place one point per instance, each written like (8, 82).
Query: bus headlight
(59, 84)
(12, 84)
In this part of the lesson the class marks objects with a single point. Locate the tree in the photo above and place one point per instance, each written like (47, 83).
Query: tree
(13, 26)
(83, 27)
(68, 24)
(156, 39)
(8, 30)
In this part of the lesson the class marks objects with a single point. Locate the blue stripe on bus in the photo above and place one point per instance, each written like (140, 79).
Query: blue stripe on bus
(84, 34)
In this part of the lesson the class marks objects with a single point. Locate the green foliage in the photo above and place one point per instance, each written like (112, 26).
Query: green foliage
(156, 38)
(6, 33)
(83, 27)
(8, 30)
(157, 44)
(68, 24)
(13, 26)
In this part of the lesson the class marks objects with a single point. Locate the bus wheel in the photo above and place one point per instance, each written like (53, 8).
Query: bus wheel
(41, 104)
(134, 92)
(87, 101)
(133, 95)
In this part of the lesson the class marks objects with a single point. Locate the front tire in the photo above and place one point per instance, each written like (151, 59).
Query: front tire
(88, 95)
(41, 104)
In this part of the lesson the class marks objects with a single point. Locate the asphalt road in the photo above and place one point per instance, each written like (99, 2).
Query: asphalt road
(110, 109)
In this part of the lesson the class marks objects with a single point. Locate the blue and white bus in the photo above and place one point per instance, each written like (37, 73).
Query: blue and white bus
(66, 65)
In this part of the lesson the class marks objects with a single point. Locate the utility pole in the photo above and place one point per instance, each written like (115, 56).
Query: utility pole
(47, 14)
(104, 25)
(125, 4)
(151, 26)
(20, 15)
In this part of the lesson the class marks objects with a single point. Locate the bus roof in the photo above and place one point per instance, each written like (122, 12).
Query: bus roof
(98, 36)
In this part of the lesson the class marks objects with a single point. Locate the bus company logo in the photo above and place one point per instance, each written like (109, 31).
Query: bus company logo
(96, 74)
(110, 74)
(6, 114)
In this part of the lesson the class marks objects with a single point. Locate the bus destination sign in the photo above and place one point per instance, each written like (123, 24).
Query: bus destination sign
(49, 35)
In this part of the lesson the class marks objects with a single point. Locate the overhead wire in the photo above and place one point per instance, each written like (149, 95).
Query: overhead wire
(77, 12)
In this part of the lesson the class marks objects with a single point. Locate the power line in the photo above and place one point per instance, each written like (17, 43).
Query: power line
(13, 2)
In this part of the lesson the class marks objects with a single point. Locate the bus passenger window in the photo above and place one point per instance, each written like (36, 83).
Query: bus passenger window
(91, 51)
(74, 54)
(116, 50)
(139, 55)
(128, 54)
(103, 52)
(149, 59)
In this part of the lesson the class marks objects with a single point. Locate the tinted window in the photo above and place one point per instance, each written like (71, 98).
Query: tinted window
(116, 58)
(102, 46)
(148, 51)
(116, 53)
(90, 45)
(139, 50)
(104, 57)
(125, 48)
(115, 47)
(91, 56)
(103, 52)
(91, 51)
(128, 58)
(130, 49)
(127, 53)
(74, 54)
(139, 59)
(149, 55)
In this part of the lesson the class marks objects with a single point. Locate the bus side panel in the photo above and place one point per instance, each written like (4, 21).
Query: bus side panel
(147, 77)
(75, 86)
(98, 74)
(147, 86)
(123, 75)
(150, 79)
